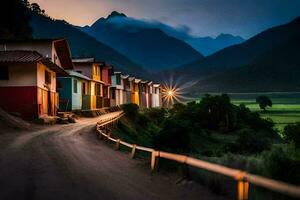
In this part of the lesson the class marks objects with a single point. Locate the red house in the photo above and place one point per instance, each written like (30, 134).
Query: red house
(28, 77)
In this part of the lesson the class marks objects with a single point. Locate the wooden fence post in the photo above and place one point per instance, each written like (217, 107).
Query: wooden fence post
(153, 160)
(242, 189)
(133, 151)
(118, 144)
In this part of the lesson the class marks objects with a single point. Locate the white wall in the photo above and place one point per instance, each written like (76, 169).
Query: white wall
(20, 75)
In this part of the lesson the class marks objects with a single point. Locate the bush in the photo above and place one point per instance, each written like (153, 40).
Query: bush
(131, 111)
(173, 137)
(250, 141)
(292, 134)
(282, 164)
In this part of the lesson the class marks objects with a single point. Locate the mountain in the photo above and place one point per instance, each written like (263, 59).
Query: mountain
(209, 45)
(278, 69)
(81, 44)
(141, 42)
(240, 55)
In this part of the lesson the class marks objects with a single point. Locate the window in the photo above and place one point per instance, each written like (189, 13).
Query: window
(75, 86)
(4, 73)
(84, 88)
(98, 89)
(118, 79)
(47, 77)
(113, 93)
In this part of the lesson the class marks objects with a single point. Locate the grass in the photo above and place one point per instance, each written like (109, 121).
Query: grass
(283, 112)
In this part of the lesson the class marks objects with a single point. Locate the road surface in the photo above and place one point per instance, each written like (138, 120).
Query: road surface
(69, 162)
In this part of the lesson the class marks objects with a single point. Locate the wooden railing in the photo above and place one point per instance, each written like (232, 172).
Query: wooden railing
(243, 178)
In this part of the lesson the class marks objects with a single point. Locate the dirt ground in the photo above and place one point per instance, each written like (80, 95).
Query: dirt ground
(69, 162)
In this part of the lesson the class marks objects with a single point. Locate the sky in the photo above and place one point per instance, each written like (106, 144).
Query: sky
(202, 17)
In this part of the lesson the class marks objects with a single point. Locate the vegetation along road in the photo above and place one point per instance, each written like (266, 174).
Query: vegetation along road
(68, 162)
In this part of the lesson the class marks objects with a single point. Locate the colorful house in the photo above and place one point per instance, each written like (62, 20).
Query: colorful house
(156, 96)
(144, 94)
(136, 93)
(93, 97)
(28, 84)
(117, 88)
(126, 98)
(131, 96)
(106, 72)
(71, 90)
(28, 71)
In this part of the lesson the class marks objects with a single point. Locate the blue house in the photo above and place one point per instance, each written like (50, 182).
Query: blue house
(71, 89)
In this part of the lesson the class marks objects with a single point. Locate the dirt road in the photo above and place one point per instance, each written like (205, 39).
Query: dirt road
(69, 162)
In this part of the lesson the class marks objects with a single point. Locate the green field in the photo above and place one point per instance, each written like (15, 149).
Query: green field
(285, 109)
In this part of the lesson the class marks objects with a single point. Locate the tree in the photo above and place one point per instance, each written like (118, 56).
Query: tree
(36, 8)
(14, 20)
(292, 134)
(263, 102)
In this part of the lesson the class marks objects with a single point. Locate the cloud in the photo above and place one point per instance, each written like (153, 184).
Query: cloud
(132, 24)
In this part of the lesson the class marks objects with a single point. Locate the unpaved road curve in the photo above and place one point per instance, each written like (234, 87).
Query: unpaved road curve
(68, 162)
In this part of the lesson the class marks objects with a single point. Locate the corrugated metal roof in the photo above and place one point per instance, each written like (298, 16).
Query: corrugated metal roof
(83, 60)
(20, 56)
(79, 75)
(24, 56)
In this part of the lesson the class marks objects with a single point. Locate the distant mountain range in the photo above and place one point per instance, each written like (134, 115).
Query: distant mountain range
(270, 61)
(81, 44)
(209, 45)
(145, 44)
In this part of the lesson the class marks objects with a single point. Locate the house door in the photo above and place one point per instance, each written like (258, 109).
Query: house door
(49, 103)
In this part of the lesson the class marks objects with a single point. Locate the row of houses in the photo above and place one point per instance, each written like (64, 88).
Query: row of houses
(38, 77)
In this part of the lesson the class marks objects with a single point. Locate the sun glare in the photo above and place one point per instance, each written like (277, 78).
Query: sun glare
(173, 92)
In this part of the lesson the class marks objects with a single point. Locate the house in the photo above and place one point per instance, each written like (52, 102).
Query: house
(106, 72)
(126, 98)
(131, 95)
(89, 67)
(149, 94)
(56, 50)
(28, 71)
(145, 94)
(71, 89)
(136, 93)
(28, 84)
(156, 96)
(117, 88)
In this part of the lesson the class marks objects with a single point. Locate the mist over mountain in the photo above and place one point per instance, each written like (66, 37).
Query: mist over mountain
(143, 42)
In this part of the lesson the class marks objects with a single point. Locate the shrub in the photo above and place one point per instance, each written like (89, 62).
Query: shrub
(173, 137)
(131, 111)
(292, 134)
(251, 141)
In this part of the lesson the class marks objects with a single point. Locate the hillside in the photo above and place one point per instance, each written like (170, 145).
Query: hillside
(148, 46)
(241, 54)
(276, 70)
(81, 44)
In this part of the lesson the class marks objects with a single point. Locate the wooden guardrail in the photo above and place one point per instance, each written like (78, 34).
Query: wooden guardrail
(243, 178)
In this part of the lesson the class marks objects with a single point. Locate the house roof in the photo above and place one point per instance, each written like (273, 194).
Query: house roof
(137, 80)
(131, 78)
(87, 61)
(83, 60)
(64, 53)
(23, 56)
(117, 72)
(78, 75)
(156, 85)
(124, 76)
(61, 47)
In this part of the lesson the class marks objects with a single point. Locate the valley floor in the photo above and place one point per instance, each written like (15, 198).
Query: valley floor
(68, 162)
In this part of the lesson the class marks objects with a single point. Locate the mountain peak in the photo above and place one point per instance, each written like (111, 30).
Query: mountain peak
(115, 14)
